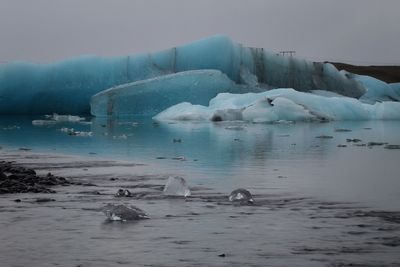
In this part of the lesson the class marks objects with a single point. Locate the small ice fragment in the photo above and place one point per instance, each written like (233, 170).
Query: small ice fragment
(72, 132)
(123, 213)
(241, 195)
(120, 137)
(43, 122)
(84, 134)
(62, 118)
(176, 186)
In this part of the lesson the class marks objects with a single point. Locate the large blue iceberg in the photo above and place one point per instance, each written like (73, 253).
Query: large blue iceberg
(146, 84)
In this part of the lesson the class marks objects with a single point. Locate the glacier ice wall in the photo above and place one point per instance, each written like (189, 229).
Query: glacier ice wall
(66, 86)
(281, 105)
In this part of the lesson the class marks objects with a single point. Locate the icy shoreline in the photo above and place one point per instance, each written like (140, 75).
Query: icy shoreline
(289, 229)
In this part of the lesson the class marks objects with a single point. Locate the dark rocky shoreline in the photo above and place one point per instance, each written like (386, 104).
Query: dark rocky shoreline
(18, 179)
(389, 74)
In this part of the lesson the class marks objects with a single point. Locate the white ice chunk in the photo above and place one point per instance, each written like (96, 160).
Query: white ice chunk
(43, 122)
(176, 186)
(286, 105)
(64, 118)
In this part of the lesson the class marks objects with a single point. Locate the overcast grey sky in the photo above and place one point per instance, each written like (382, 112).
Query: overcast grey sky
(358, 31)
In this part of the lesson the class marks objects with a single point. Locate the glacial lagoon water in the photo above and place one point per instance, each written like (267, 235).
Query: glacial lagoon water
(317, 203)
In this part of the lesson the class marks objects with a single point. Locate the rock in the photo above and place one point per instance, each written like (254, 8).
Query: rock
(123, 193)
(45, 199)
(176, 186)
(181, 158)
(376, 144)
(17, 200)
(360, 145)
(392, 147)
(123, 213)
(222, 255)
(324, 137)
(354, 140)
(241, 196)
(88, 184)
(24, 180)
(342, 130)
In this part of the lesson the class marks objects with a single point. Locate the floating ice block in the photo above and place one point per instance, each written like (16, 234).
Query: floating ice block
(149, 97)
(282, 105)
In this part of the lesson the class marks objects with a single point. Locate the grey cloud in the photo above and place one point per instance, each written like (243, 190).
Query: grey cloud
(358, 31)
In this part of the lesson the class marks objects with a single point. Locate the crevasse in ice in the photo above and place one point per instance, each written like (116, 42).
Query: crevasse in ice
(67, 86)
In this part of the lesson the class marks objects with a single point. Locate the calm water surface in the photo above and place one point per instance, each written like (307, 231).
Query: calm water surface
(318, 204)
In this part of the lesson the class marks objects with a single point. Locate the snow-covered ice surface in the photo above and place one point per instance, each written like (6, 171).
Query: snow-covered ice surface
(315, 204)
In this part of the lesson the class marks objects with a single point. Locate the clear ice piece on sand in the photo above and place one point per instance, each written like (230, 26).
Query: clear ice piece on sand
(241, 195)
(123, 213)
(176, 186)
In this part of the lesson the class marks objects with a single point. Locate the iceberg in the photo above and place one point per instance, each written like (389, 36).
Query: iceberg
(376, 90)
(281, 105)
(396, 87)
(151, 96)
(66, 87)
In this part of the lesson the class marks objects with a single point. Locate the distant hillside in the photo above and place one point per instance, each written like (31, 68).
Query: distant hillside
(389, 74)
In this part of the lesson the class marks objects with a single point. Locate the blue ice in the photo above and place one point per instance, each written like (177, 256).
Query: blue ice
(66, 87)
(149, 97)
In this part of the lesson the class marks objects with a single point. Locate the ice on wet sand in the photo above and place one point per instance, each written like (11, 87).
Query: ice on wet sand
(123, 213)
(176, 186)
(242, 196)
